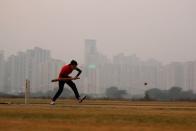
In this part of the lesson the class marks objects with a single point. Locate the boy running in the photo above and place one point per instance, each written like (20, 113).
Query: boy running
(65, 78)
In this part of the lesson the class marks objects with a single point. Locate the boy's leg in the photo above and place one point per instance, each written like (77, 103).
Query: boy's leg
(73, 87)
(60, 90)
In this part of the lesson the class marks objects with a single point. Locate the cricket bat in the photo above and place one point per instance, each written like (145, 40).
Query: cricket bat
(64, 79)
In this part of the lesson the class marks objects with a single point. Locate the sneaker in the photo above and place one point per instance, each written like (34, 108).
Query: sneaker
(81, 99)
(52, 103)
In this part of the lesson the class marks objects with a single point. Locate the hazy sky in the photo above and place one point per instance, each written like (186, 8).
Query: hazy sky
(160, 29)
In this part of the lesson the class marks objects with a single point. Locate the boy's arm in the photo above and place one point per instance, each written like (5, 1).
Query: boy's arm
(79, 72)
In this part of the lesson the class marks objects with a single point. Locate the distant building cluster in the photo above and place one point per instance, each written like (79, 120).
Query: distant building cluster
(35, 65)
(99, 72)
(132, 74)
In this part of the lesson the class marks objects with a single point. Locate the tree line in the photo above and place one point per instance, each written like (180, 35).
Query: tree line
(172, 94)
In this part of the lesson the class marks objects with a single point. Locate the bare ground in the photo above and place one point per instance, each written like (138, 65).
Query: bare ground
(97, 115)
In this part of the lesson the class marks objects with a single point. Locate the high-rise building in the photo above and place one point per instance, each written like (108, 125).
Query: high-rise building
(91, 66)
(127, 73)
(91, 54)
(11, 74)
(40, 67)
(190, 75)
(2, 72)
(175, 75)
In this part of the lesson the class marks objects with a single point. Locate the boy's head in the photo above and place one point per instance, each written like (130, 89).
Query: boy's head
(73, 64)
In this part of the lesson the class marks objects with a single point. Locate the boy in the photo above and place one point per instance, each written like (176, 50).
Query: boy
(65, 78)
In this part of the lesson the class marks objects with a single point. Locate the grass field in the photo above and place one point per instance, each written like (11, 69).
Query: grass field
(96, 115)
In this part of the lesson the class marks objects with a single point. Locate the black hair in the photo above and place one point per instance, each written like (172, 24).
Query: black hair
(73, 62)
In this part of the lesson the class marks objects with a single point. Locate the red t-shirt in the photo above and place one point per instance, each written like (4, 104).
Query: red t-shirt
(65, 71)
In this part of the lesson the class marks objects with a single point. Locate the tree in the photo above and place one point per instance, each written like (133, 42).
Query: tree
(153, 94)
(115, 93)
(174, 92)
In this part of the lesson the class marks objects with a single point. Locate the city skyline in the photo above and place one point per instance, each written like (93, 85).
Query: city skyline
(127, 72)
